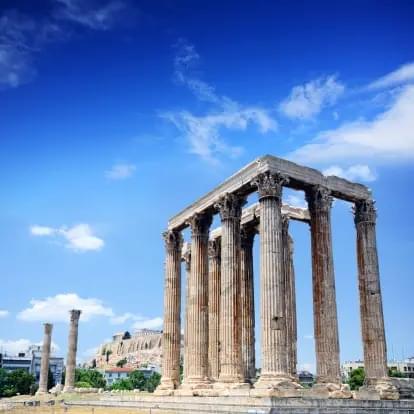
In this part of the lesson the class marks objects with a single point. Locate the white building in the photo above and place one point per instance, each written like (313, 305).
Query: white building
(115, 374)
(406, 367)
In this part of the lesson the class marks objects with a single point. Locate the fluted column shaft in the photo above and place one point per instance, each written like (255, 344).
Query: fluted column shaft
(372, 318)
(72, 350)
(214, 280)
(272, 286)
(230, 207)
(171, 337)
(197, 307)
(44, 363)
(247, 303)
(324, 298)
(291, 328)
(187, 259)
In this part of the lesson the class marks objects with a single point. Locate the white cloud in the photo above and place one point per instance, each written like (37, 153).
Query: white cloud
(153, 323)
(121, 319)
(79, 238)
(203, 133)
(120, 171)
(56, 308)
(4, 313)
(96, 15)
(388, 137)
(307, 366)
(403, 74)
(353, 173)
(306, 101)
(294, 200)
(13, 347)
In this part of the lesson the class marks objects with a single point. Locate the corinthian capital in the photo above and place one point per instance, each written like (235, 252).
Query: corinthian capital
(200, 224)
(319, 198)
(75, 315)
(365, 211)
(270, 184)
(173, 240)
(230, 206)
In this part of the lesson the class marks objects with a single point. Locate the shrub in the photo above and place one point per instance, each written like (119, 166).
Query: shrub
(122, 384)
(82, 384)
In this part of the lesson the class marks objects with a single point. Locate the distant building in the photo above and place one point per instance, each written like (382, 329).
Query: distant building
(112, 375)
(306, 378)
(30, 362)
(406, 367)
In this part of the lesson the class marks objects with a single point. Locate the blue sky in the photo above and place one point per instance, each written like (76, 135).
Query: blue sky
(115, 114)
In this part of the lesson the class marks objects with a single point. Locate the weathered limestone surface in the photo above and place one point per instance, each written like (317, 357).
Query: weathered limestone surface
(44, 364)
(187, 260)
(300, 178)
(72, 349)
(230, 207)
(172, 294)
(214, 287)
(272, 287)
(198, 304)
(247, 303)
(324, 299)
(289, 275)
(372, 318)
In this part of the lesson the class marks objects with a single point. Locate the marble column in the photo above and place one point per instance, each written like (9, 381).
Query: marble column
(247, 303)
(171, 335)
(72, 349)
(44, 363)
(230, 208)
(197, 307)
(372, 318)
(214, 280)
(272, 287)
(291, 328)
(187, 260)
(324, 298)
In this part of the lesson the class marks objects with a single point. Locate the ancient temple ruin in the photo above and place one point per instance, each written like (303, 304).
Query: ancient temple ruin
(219, 357)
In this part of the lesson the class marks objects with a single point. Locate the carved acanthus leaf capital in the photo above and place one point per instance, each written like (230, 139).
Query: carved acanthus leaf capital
(230, 206)
(173, 240)
(200, 224)
(75, 315)
(270, 184)
(365, 211)
(319, 198)
(214, 248)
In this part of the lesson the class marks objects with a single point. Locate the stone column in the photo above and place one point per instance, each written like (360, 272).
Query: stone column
(230, 208)
(214, 280)
(197, 307)
(171, 336)
(247, 303)
(187, 260)
(291, 328)
(372, 318)
(44, 364)
(72, 349)
(272, 287)
(324, 299)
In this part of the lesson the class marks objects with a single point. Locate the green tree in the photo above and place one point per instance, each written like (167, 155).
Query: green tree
(121, 362)
(153, 382)
(108, 353)
(395, 373)
(122, 384)
(50, 380)
(18, 381)
(82, 384)
(356, 378)
(3, 381)
(138, 380)
(94, 378)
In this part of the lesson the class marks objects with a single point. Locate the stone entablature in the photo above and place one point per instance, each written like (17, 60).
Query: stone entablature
(141, 348)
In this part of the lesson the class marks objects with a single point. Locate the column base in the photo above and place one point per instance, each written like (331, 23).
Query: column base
(276, 386)
(330, 390)
(201, 387)
(41, 392)
(166, 387)
(235, 388)
(378, 389)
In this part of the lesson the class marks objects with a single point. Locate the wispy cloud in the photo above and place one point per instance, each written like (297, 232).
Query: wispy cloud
(387, 137)
(4, 313)
(13, 347)
(79, 238)
(139, 321)
(203, 133)
(153, 323)
(23, 37)
(120, 171)
(403, 74)
(306, 101)
(358, 172)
